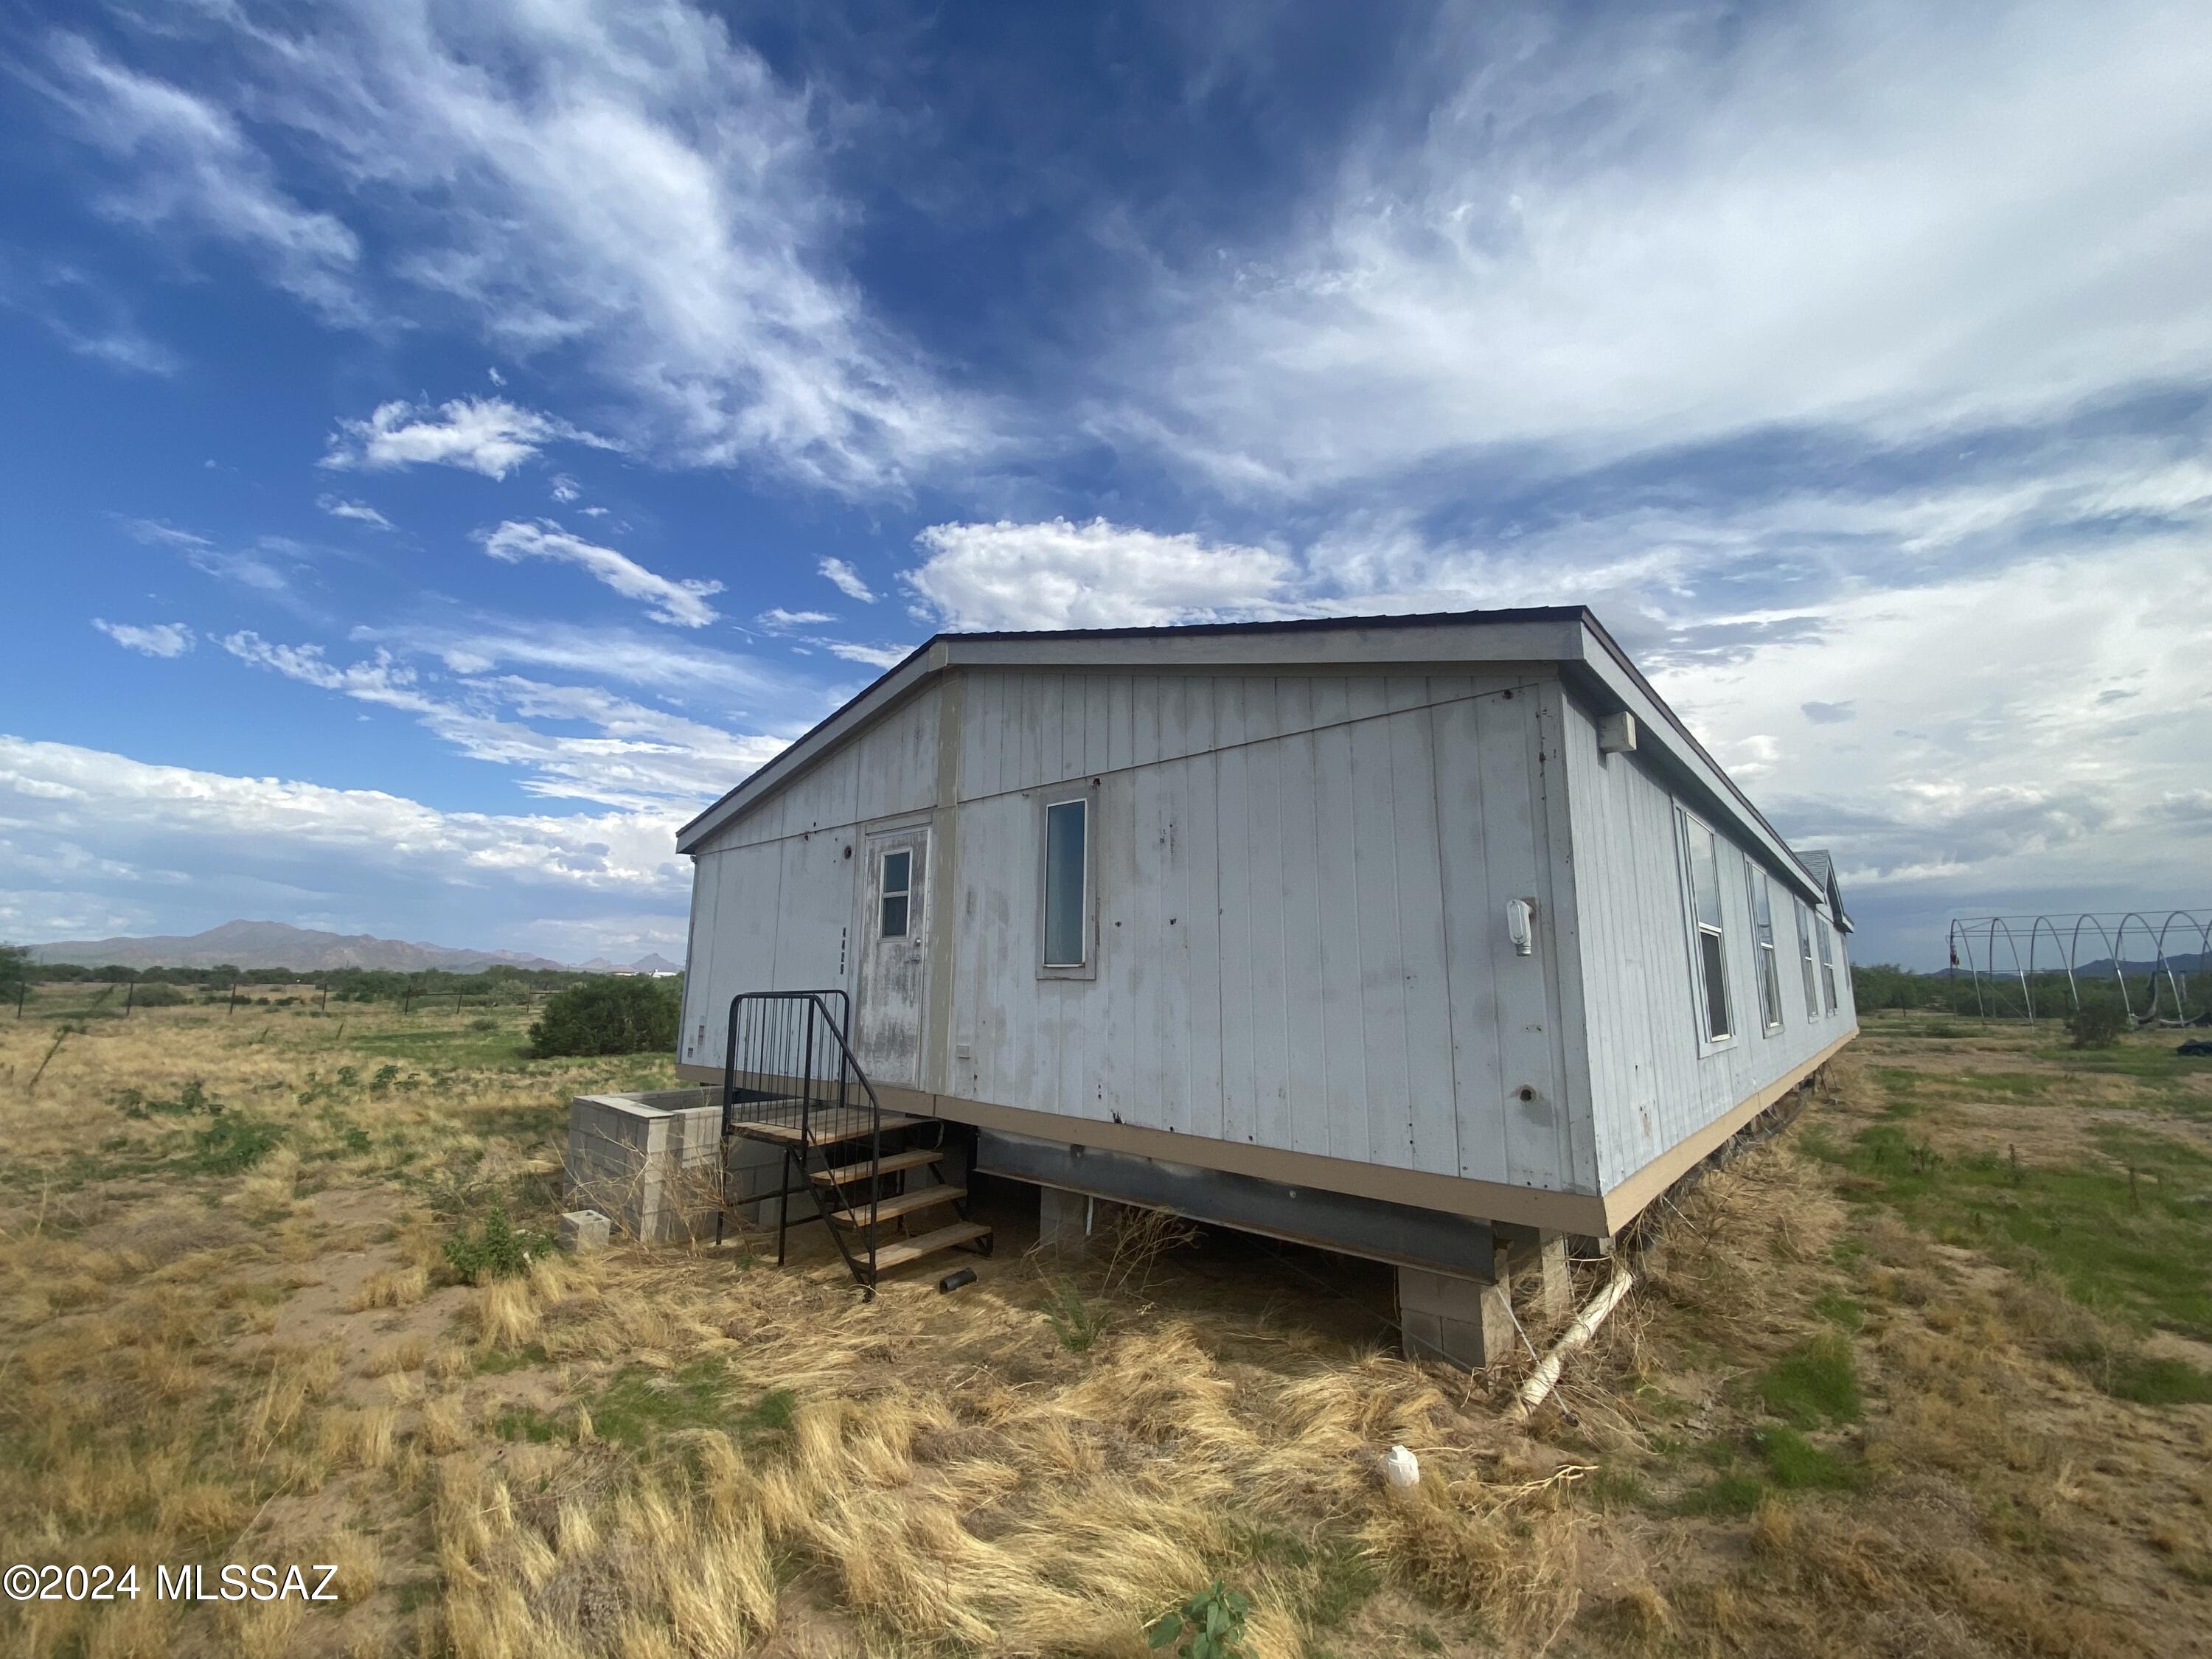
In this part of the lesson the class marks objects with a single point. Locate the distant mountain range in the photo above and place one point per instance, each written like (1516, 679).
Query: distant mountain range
(277, 945)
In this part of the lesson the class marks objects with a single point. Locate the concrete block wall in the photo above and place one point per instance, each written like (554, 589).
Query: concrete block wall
(647, 1162)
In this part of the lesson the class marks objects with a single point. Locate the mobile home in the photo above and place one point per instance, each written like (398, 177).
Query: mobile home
(1436, 938)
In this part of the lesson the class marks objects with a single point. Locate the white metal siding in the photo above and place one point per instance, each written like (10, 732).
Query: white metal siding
(1649, 1088)
(1301, 887)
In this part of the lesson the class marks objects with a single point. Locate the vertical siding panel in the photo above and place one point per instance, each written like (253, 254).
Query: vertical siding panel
(1147, 979)
(1171, 934)
(1511, 854)
(1096, 737)
(1270, 1025)
(1385, 1088)
(1121, 721)
(1240, 1105)
(1331, 706)
(1432, 1119)
(1148, 696)
(1339, 1127)
(1478, 1064)
(1364, 694)
(1202, 904)
(1312, 1035)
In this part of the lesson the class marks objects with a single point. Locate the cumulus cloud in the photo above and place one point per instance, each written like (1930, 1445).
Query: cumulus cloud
(149, 639)
(488, 435)
(1057, 573)
(98, 841)
(1827, 713)
(679, 604)
(360, 512)
(846, 579)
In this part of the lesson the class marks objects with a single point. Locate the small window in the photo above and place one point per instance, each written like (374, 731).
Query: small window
(898, 891)
(1805, 955)
(1067, 837)
(1827, 967)
(1762, 938)
(1701, 861)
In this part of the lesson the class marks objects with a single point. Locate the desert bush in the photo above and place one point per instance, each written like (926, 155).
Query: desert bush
(497, 1250)
(608, 1017)
(2097, 1024)
(159, 996)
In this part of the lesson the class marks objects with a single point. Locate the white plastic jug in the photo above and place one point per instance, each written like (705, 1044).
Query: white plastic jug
(1401, 1469)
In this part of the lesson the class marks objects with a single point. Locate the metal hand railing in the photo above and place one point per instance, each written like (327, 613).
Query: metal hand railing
(798, 1066)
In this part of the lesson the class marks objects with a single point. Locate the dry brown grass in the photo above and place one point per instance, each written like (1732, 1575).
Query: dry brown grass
(661, 1453)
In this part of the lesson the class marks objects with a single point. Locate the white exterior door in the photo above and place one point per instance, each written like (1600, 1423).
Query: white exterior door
(892, 985)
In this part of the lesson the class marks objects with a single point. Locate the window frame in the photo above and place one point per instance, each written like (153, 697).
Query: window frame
(1805, 957)
(1758, 899)
(1085, 793)
(1687, 824)
(1827, 964)
(886, 893)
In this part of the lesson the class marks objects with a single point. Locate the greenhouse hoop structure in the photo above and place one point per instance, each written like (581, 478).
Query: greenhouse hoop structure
(2017, 962)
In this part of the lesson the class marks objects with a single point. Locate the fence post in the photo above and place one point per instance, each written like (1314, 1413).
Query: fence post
(457, 1002)
(234, 998)
(130, 996)
(22, 988)
(326, 996)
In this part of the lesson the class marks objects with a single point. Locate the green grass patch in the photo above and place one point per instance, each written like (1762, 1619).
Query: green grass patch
(1724, 1495)
(1817, 1384)
(233, 1144)
(528, 1423)
(2149, 1381)
(498, 1362)
(2111, 1240)
(1074, 1321)
(1840, 1310)
(1796, 1464)
(639, 1405)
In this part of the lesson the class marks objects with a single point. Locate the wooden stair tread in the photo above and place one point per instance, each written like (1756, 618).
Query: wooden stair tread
(891, 1164)
(828, 1126)
(890, 1209)
(913, 1250)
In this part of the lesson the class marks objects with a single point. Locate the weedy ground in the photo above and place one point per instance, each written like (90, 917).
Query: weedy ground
(1926, 1374)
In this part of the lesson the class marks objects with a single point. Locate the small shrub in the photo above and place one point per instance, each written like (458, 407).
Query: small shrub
(1210, 1626)
(1074, 1321)
(496, 1249)
(235, 1143)
(486, 1023)
(387, 1075)
(2097, 1024)
(608, 1017)
(158, 996)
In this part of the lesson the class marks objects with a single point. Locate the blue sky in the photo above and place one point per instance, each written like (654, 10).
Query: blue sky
(447, 444)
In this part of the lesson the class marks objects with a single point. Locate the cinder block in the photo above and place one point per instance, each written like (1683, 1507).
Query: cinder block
(584, 1232)
(1462, 1321)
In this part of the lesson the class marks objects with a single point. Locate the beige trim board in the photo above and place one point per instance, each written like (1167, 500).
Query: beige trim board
(1488, 1200)
(1624, 1202)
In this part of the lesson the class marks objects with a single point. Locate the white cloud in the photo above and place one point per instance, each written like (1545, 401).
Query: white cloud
(875, 656)
(781, 621)
(1632, 231)
(639, 758)
(266, 567)
(149, 638)
(360, 512)
(479, 435)
(565, 488)
(846, 579)
(680, 603)
(620, 179)
(190, 164)
(1061, 574)
(102, 842)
